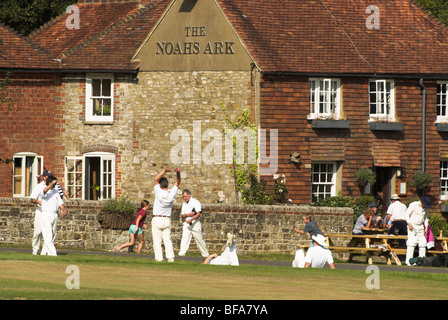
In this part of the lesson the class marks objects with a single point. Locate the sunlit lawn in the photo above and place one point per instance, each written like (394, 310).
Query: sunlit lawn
(23, 276)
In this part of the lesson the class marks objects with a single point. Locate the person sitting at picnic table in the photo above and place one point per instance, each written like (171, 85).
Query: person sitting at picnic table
(363, 221)
(376, 218)
(317, 256)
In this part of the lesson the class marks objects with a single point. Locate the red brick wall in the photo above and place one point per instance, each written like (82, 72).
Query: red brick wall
(285, 106)
(33, 123)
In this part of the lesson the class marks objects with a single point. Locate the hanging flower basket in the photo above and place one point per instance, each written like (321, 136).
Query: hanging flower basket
(114, 220)
(117, 213)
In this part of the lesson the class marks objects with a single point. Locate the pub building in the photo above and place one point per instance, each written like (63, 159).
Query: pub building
(108, 93)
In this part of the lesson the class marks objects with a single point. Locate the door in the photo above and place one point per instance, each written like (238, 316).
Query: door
(382, 188)
(99, 176)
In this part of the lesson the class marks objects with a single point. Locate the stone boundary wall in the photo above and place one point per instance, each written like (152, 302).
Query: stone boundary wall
(257, 229)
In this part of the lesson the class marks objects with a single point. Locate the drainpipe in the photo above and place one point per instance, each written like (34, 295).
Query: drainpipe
(423, 92)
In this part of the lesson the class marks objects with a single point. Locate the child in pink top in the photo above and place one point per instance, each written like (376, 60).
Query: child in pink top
(136, 228)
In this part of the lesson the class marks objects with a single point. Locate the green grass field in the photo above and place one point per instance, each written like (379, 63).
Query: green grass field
(23, 276)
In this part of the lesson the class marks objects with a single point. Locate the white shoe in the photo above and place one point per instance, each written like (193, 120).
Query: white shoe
(171, 260)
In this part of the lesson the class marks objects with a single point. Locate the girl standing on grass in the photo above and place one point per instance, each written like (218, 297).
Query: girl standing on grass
(136, 228)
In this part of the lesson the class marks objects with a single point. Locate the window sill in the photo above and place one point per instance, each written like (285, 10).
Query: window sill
(444, 207)
(441, 127)
(98, 122)
(386, 126)
(330, 124)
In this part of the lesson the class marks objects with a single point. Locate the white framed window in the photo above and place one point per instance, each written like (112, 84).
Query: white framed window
(91, 177)
(73, 177)
(27, 168)
(325, 98)
(381, 100)
(444, 180)
(100, 98)
(442, 104)
(323, 182)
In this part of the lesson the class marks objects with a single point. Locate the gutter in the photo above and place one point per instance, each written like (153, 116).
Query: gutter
(22, 70)
(423, 92)
(364, 75)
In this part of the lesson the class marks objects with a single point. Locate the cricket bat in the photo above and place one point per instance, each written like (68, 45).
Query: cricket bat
(394, 255)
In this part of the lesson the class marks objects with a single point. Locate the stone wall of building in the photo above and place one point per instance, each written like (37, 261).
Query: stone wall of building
(258, 229)
(155, 115)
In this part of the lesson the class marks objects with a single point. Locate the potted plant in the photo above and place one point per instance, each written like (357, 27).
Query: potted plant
(420, 181)
(365, 176)
(117, 213)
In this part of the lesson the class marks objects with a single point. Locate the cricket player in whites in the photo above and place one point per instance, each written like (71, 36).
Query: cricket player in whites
(36, 198)
(417, 219)
(191, 212)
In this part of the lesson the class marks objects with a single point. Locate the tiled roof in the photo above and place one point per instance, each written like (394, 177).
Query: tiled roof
(108, 36)
(16, 52)
(296, 36)
(331, 36)
(386, 153)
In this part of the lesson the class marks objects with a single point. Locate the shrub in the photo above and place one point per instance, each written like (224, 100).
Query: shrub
(364, 176)
(438, 224)
(420, 180)
(358, 206)
(121, 205)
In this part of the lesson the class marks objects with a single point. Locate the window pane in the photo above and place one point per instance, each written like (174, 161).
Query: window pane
(18, 176)
(106, 87)
(97, 108)
(96, 87)
(17, 185)
(29, 175)
(107, 103)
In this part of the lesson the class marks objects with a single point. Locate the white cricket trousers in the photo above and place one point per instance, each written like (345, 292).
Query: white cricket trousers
(416, 236)
(49, 224)
(192, 230)
(161, 231)
(37, 235)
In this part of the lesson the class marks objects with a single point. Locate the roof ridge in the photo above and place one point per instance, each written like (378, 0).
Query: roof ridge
(26, 40)
(126, 19)
(52, 21)
(429, 14)
(46, 25)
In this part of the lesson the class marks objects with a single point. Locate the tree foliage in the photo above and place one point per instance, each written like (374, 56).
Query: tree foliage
(26, 16)
(439, 8)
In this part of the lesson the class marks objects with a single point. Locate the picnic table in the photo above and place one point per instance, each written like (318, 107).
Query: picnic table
(375, 230)
(375, 244)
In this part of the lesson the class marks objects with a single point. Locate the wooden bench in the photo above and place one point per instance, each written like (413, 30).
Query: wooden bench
(367, 244)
